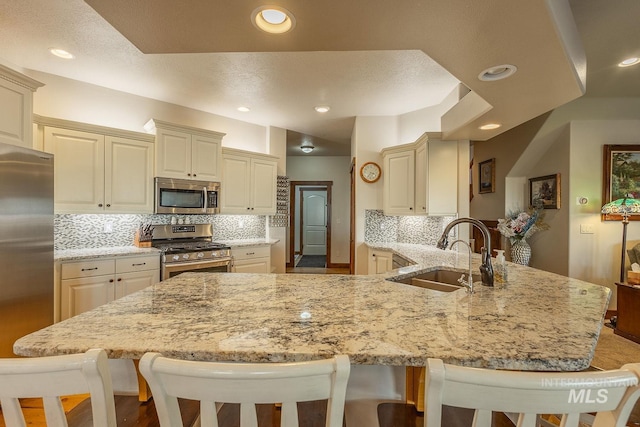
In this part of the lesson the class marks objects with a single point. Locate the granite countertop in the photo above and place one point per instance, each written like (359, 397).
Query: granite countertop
(536, 321)
(113, 251)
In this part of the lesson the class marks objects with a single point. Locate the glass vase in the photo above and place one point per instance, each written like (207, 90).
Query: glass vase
(520, 252)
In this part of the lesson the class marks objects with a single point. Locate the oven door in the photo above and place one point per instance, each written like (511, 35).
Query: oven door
(220, 265)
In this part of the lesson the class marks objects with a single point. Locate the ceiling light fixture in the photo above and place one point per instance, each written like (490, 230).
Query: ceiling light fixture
(498, 72)
(61, 53)
(629, 62)
(307, 147)
(244, 109)
(273, 19)
(490, 126)
(322, 108)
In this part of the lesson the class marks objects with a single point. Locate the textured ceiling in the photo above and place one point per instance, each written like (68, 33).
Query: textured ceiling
(363, 58)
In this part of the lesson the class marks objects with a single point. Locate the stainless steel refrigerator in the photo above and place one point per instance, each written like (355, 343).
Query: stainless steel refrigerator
(26, 243)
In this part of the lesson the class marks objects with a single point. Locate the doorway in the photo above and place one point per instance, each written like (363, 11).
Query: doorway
(310, 213)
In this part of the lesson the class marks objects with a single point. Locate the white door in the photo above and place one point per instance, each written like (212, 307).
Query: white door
(314, 219)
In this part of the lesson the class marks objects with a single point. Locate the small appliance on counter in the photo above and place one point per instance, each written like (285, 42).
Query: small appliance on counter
(189, 248)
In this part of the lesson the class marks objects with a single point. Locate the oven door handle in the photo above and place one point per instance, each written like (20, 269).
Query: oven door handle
(206, 201)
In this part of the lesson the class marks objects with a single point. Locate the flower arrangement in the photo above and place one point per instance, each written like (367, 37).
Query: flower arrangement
(522, 225)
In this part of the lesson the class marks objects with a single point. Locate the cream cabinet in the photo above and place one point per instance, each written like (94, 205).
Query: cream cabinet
(249, 183)
(186, 153)
(251, 259)
(421, 178)
(380, 261)
(97, 172)
(85, 285)
(16, 105)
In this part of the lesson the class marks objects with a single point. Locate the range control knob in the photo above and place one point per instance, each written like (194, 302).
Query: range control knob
(185, 256)
(176, 257)
(200, 255)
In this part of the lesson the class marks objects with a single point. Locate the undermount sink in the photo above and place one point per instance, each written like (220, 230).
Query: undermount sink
(438, 280)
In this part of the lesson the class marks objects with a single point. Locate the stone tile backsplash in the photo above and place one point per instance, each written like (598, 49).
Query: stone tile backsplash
(422, 230)
(88, 231)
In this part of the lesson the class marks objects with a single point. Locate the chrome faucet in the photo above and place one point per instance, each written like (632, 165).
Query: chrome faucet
(469, 282)
(486, 269)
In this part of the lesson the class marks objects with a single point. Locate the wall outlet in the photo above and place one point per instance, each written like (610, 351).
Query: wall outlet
(587, 229)
(108, 227)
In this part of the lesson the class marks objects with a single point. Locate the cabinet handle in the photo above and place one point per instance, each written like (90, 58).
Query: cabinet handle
(89, 269)
(250, 253)
(99, 205)
(110, 280)
(119, 279)
(136, 265)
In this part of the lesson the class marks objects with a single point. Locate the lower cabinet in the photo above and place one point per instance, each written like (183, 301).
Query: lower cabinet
(251, 259)
(85, 285)
(380, 261)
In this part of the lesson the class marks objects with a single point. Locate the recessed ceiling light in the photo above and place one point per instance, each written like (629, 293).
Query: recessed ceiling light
(273, 19)
(61, 53)
(244, 109)
(498, 72)
(490, 126)
(322, 108)
(629, 62)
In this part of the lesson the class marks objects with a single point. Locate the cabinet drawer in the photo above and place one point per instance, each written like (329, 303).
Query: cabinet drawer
(89, 268)
(248, 252)
(138, 263)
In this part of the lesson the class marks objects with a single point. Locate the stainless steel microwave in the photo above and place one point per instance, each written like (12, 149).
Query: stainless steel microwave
(182, 196)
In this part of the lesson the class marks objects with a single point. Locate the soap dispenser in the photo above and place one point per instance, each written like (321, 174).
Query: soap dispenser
(501, 266)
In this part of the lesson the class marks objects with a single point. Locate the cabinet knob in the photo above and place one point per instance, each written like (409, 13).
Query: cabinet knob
(110, 280)
(119, 279)
(410, 209)
(188, 174)
(108, 205)
(248, 208)
(251, 208)
(99, 205)
(194, 174)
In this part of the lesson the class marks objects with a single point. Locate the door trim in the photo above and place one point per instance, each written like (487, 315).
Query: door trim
(292, 216)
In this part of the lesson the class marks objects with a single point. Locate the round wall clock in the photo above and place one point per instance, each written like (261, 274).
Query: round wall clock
(370, 172)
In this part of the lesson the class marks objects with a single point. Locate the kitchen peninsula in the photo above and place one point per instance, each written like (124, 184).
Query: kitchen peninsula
(537, 321)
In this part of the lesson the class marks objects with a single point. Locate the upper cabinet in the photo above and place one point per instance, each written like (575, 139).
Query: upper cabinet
(249, 183)
(16, 104)
(186, 153)
(421, 178)
(99, 170)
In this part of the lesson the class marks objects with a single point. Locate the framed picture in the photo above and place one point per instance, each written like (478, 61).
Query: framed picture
(621, 175)
(544, 191)
(487, 171)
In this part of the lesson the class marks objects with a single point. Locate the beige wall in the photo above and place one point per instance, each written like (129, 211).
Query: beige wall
(336, 169)
(68, 99)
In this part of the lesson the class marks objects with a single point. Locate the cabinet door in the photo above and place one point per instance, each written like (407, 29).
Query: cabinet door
(236, 185)
(421, 179)
(443, 178)
(128, 283)
(84, 294)
(380, 262)
(128, 176)
(173, 154)
(263, 187)
(399, 189)
(255, 265)
(79, 170)
(206, 153)
(15, 121)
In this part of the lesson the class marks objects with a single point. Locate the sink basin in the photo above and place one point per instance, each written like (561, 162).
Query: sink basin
(438, 280)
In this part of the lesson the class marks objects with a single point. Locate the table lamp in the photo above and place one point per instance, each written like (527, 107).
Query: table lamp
(625, 207)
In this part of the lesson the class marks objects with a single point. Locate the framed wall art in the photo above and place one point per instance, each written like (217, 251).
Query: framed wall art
(487, 170)
(620, 175)
(544, 191)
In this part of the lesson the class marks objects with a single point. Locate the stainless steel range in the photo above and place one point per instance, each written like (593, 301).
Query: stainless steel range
(190, 248)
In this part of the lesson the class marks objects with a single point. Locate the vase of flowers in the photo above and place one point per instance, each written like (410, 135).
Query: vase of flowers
(518, 227)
